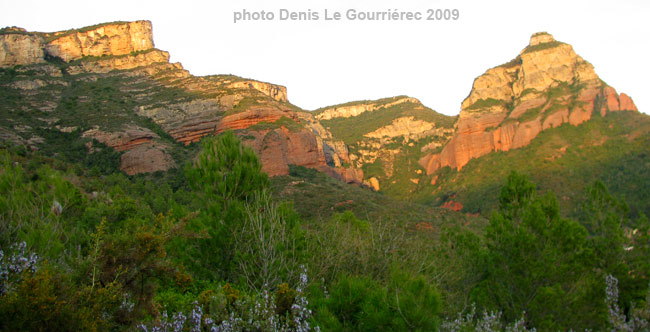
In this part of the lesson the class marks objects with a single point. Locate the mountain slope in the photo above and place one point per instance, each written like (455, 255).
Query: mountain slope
(547, 85)
(108, 83)
(386, 136)
(503, 126)
(563, 160)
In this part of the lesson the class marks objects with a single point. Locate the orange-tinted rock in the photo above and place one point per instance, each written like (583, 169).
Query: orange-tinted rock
(347, 175)
(282, 147)
(141, 153)
(527, 105)
(556, 119)
(579, 115)
(612, 100)
(503, 136)
(526, 132)
(106, 39)
(452, 206)
(250, 117)
(541, 82)
(146, 158)
(125, 139)
(626, 103)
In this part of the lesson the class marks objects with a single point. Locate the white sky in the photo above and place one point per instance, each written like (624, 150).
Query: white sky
(323, 63)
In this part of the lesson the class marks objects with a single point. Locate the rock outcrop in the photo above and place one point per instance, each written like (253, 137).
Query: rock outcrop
(17, 47)
(274, 91)
(547, 85)
(122, 62)
(408, 128)
(355, 109)
(279, 148)
(143, 152)
(108, 39)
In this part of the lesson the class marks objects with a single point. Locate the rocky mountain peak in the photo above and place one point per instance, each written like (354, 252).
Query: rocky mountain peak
(546, 85)
(541, 38)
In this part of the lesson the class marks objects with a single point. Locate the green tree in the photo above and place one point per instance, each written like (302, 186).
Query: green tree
(355, 303)
(225, 176)
(538, 263)
(625, 256)
(226, 171)
(267, 242)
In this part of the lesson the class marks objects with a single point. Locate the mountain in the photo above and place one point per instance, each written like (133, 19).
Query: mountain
(108, 83)
(545, 113)
(547, 85)
(106, 95)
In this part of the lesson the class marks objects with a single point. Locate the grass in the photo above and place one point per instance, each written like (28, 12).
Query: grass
(543, 46)
(485, 103)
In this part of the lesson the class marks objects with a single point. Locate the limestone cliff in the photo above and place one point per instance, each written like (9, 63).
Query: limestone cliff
(408, 128)
(274, 91)
(356, 108)
(118, 38)
(547, 85)
(17, 47)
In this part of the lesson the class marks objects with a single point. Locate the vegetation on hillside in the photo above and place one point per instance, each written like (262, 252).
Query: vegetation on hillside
(352, 129)
(563, 160)
(209, 248)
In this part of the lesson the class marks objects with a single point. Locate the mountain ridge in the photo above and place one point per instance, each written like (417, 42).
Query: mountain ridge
(110, 82)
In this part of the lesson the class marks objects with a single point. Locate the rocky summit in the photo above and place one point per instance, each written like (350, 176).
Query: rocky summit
(546, 85)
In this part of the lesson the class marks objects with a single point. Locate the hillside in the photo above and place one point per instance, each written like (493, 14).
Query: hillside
(502, 127)
(109, 83)
(317, 197)
(386, 137)
(563, 160)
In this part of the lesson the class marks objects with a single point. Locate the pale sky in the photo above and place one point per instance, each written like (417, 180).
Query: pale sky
(328, 62)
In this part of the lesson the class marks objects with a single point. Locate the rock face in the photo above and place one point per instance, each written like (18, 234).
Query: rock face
(407, 127)
(124, 62)
(274, 91)
(279, 148)
(346, 111)
(146, 158)
(107, 39)
(143, 150)
(20, 48)
(547, 85)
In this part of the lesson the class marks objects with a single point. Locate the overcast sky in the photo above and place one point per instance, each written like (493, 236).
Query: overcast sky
(328, 62)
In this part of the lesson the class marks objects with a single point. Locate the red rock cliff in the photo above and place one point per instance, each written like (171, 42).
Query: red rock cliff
(547, 85)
